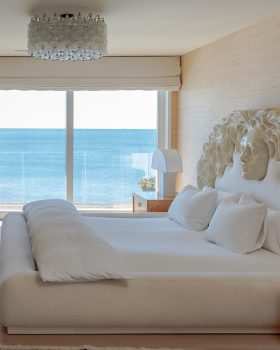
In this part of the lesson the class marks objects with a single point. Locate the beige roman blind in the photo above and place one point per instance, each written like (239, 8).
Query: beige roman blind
(109, 73)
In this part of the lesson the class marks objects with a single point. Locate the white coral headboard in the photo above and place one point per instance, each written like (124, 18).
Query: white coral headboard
(220, 165)
(266, 190)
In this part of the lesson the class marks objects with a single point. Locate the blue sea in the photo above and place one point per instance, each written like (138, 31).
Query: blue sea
(108, 164)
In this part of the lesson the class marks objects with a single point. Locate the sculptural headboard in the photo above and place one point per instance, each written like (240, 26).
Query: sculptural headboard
(243, 155)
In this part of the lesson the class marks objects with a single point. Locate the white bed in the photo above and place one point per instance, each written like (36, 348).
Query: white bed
(162, 245)
(170, 293)
(181, 282)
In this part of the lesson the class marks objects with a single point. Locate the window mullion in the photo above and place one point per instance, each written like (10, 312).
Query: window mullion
(165, 182)
(69, 144)
(164, 120)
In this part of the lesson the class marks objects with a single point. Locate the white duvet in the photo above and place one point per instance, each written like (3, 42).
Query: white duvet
(68, 247)
(162, 245)
(65, 248)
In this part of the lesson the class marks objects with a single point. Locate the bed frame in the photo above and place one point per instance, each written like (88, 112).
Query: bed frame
(153, 302)
(150, 303)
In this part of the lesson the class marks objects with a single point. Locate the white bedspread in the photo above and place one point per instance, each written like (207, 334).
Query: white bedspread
(162, 245)
(66, 248)
(181, 284)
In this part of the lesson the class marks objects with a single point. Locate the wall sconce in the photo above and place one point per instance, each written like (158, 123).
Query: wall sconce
(167, 162)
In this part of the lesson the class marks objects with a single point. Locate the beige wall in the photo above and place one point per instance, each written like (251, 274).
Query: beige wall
(240, 71)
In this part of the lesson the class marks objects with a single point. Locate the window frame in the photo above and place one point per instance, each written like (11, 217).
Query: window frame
(163, 136)
(163, 133)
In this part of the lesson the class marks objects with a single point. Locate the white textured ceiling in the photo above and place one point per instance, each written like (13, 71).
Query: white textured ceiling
(141, 27)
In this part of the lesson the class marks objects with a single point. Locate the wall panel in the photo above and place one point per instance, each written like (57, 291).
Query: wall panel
(240, 71)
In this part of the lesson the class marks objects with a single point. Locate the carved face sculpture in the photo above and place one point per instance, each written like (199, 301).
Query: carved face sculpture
(254, 156)
(225, 153)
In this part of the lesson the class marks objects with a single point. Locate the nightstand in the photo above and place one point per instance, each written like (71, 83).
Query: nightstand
(150, 201)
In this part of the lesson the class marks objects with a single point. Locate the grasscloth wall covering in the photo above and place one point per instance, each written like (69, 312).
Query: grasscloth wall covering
(240, 71)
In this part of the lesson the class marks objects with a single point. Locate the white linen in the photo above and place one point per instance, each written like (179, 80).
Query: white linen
(238, 226)
(65, 248)
(221, 195)
(14, 234)
(193, 208)
(200, 297)
(271, 226)
(265, 191)
(160, 245)
(272, 239)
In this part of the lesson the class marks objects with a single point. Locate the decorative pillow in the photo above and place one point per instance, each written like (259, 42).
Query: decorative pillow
(272, 227)
(193, 208)
(238, 226)
(272, 239)
(247, 200)
(221, 195)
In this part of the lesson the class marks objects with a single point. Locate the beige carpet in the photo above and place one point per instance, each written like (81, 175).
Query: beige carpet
(83, 347)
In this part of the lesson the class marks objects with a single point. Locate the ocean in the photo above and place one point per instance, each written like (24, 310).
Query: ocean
(108, 164)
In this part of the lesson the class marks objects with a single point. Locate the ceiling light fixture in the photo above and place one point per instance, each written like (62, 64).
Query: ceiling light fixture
(67, 37)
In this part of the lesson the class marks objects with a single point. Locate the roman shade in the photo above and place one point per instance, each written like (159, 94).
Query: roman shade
(110, 73)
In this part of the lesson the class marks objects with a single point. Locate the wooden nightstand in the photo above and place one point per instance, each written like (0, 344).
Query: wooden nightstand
(150, 201)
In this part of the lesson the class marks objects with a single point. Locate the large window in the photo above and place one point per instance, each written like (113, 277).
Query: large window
(114, 137)
(32, 146)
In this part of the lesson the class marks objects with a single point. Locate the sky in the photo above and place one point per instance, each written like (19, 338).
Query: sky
(92, 109)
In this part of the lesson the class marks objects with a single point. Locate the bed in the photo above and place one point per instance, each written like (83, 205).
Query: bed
(181, 282)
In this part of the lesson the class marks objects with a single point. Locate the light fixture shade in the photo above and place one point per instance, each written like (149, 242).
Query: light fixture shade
(67, 37)
(167, 161)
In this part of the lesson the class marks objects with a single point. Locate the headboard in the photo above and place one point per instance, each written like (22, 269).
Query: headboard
(243, 155)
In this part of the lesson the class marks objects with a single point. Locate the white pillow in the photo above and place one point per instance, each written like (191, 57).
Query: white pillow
(238, 226)
(221, 195)
(272, 238)
(247, 200)
(272, 228)
(193, 208)
(65, 247)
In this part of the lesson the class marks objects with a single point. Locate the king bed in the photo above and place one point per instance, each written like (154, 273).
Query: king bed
(178, 281)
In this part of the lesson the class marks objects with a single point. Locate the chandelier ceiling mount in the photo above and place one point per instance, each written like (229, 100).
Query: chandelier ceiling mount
(67, 37)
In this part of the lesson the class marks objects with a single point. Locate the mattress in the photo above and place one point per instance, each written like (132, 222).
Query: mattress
(181, 284)
(163, 245)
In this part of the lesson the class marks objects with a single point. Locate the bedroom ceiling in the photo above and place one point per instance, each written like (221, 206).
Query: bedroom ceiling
(141, 27)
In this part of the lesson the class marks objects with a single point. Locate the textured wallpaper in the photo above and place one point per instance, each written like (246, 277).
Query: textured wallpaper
(240, 71)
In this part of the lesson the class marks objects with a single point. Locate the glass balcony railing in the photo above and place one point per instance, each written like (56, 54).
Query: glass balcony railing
(29, 176)
(103, 180)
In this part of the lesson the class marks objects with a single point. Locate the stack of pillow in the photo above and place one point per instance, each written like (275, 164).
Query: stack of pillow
(234, 221)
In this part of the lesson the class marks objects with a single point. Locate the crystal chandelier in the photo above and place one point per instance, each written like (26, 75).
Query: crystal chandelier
(67, 37)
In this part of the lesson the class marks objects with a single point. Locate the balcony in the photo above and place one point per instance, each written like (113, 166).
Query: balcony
(102, 181)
